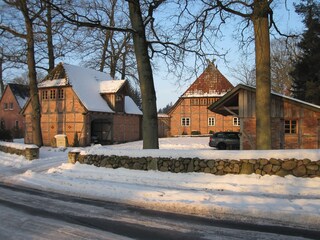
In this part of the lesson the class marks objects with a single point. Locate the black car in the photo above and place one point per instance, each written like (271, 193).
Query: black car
(225, 140)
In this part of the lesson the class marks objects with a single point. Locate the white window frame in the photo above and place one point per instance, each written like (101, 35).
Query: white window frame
(236, 121)
(211, 121)
(185, 121)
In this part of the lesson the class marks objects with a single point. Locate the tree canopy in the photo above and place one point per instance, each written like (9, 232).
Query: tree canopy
(306, 73)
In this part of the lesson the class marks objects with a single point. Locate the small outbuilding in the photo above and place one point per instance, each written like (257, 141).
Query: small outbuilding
(295, 123)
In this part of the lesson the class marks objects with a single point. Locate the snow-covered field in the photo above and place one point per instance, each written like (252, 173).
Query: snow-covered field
(275, 200)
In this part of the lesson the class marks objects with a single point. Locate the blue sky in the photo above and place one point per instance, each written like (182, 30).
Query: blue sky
(167, 88)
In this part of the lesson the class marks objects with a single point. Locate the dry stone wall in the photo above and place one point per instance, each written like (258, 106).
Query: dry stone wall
(273, 166)
(30, 152)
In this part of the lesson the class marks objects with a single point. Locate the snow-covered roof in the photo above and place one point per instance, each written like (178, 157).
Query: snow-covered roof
(20, 92)
(297, 100)
(131, 107)
(111, 86)
(53, 83)
(86, 84)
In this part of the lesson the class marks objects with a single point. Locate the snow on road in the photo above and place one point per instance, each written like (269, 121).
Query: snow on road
(288, 200)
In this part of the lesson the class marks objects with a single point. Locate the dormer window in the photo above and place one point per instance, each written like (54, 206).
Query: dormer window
(52, 94)
(118, 98)
(60, 94)
(44, 95)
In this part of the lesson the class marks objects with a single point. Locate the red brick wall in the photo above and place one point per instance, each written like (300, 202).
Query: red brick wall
(126, 128)
(198, 115)
(10, 116)
(308, 133)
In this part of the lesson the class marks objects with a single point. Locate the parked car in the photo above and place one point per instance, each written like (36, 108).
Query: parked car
(225, 140)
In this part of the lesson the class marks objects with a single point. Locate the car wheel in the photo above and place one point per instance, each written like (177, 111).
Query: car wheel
(222, 146)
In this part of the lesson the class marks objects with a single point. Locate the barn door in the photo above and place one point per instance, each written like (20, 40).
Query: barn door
(101, 131)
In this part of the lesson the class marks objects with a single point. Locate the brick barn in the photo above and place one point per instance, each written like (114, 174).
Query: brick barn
(86, 104)
(12, 101)
(190, 114)
(295, 123)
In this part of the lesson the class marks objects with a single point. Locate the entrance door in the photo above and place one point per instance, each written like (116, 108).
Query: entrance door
(101, 131)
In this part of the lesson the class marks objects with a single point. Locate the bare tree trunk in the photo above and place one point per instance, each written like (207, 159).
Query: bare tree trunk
(32, 75)
(104, 51)
(1, 78)
(49, 38)
(263, 76)
(123, 68)
(149, 104)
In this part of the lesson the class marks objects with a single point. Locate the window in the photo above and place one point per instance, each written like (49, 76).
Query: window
(60, 93)
(290, 126)
(118, 98)
(211, 121)
(17, 124)
(52, 94)
(211, 100)
(5, 106)
(203, 101)
(236, 121)
(11, 106)
(185, 121)
(44, 95)
(194, 101)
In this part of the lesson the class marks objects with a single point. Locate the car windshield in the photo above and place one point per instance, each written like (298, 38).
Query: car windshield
(233, 135)
(219, 135)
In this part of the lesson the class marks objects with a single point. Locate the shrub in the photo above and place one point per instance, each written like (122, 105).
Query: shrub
(75, 140)
(195, 132)
(5, 135)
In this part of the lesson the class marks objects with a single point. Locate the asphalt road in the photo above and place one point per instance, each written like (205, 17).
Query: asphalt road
(33, 214)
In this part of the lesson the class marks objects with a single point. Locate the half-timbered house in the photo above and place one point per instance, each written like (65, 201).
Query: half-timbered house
(87, 105)
(190, 114)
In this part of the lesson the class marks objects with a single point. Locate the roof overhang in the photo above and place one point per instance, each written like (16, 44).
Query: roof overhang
(229, 103)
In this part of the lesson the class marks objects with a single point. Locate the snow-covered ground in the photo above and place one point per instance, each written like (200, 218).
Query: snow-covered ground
(272, 199)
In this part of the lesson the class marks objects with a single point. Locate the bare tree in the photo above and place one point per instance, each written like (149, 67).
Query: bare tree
(283, 55)
(258, 12)
(30, 12)
(149, 106)
(244, 73)
(1, 78)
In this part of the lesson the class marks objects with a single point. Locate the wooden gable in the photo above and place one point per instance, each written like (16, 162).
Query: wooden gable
(116, 97)
(57, 73)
